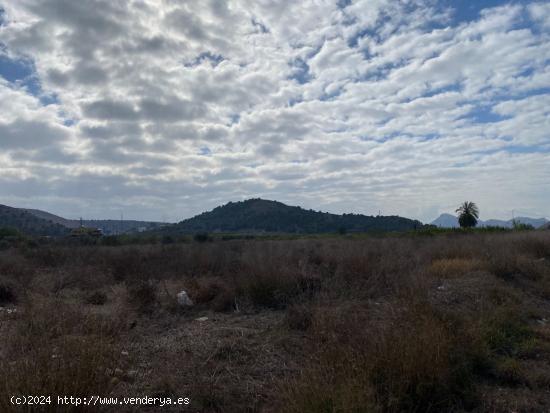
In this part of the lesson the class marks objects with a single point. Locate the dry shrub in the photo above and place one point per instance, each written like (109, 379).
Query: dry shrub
(509, 371)
(212, 292)
(381, 366)
(299, 317)
(49, 256)
(536, 245)
(453, 267)
(507, 265)
(125, 264)
(55, 349)
(96, 298)
(142, 296)
(15, 267)
(272, 289)
(7, 294)
(504, 331)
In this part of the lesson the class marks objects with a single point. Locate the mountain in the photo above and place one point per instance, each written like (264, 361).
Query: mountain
(536, 222)
(68, 223)
(107, 226)
(259, 215)
(28, 223)
(451, 221)
(446, 221)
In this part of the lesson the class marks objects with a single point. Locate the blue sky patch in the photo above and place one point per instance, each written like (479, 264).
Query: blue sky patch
(214, 59)
(484, 114)
(22, 74)
(301, 71)
(15, 70)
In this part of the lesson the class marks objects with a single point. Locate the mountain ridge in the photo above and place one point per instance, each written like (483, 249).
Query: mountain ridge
(27, 223)
(260, 215)
(37, 222)
(446, 220)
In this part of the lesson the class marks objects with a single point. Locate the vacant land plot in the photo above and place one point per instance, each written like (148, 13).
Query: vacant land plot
(448, 323)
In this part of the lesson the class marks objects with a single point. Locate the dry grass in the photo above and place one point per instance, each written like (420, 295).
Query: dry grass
(57, 349)
(375, 364)
(453, 267)
(397, 324)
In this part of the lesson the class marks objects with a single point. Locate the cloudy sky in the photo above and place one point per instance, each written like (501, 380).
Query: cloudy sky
(166, 108)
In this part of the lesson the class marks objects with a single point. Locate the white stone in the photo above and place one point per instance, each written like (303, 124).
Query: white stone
(201, 319)
(184, 300)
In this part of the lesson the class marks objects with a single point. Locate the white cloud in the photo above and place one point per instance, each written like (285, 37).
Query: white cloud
(170, 108)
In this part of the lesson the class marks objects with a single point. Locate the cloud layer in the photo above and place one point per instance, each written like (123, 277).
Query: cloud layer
(165, 108)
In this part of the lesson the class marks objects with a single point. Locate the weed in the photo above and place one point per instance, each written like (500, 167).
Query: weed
(142, 296)
(96, 298)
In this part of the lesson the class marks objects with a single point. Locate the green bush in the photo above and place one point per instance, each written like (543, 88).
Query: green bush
(202, 237)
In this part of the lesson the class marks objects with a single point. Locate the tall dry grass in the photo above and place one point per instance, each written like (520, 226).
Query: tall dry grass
(390, 324)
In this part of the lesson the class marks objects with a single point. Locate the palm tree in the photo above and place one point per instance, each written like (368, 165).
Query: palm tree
(468, 214)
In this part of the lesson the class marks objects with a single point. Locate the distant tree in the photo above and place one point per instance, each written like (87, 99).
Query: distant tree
(202, 237)
(519, 226)
(468, 214)
(8, 232)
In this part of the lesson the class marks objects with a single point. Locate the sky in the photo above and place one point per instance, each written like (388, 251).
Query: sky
(162, 109)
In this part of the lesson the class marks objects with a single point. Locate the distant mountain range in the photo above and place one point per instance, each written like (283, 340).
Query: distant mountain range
(259, 215)
(37, 222)
(250, 216)
(451, 221)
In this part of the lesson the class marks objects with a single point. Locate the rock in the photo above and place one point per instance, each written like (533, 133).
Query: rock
(201, 319)
(184, 300)
(124, 353)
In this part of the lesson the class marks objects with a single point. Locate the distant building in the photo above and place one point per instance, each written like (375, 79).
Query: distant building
(86, 232)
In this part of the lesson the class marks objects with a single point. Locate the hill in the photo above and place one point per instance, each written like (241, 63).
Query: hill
(451, 221)
(68, 223)
(107, 226)
(259, 215)
(28, 223)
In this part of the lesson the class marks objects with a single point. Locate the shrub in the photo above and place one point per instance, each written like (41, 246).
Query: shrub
(214, 293)
(126, 263)
(168, 239)
(49, 256)
(508, 371)
(96, 298)
(143, 296)
(7, 295)
(299, 317)
(504, 332)
(56, 350)
(362, 366)
(270, 290)
(8, 232)
(202, 237)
